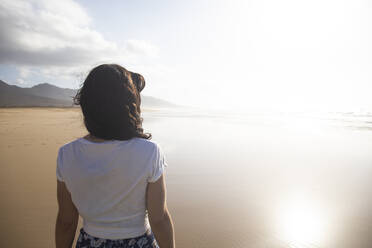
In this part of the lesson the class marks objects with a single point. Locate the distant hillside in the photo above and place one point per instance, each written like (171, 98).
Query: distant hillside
(149, 101)
(14, 96)
(48, 95)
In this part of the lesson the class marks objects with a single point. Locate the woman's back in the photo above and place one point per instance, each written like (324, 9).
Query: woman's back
(116, 185)
(107, 181)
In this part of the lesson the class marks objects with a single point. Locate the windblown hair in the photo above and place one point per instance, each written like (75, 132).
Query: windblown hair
(110, 101)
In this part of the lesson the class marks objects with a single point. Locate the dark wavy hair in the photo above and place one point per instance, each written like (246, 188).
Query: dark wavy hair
(110, 101)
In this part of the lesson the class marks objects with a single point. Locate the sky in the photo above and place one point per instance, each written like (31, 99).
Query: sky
(284, 55)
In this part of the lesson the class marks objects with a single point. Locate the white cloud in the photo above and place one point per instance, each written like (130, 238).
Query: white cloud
(24, 72)
(55, 38)
(21, 81)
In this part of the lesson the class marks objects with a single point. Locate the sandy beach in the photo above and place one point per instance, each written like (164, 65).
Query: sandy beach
(232, 182)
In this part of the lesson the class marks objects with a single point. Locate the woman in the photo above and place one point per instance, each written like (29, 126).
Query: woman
(112, 177)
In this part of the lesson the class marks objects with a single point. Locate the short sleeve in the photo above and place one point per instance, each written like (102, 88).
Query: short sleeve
(158, 163)
(59, 165)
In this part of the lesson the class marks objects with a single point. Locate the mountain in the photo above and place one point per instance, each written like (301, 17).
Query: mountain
(51, 91)
(49, 95)
(14, 96)
(149, 101)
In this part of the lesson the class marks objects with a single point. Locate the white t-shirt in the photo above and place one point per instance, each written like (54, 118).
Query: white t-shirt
(107, 181)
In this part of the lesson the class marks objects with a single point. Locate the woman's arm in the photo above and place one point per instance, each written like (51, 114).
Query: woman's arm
(159, 217)
(67, 218)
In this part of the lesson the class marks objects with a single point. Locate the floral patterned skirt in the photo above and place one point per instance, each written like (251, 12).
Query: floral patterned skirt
(147, 240)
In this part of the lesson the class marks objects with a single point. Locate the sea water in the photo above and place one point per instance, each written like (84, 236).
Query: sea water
(267, 179)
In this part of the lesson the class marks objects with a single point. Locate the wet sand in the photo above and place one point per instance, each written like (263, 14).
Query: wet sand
(232, 182)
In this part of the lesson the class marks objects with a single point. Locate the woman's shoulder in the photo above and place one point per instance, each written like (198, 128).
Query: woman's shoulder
(138, 143)
(146, 143)
(69, 143)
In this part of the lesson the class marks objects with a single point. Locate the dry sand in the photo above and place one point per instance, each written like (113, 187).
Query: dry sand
(30, 139)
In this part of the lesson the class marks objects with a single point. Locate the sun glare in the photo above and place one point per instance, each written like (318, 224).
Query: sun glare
(301, 223)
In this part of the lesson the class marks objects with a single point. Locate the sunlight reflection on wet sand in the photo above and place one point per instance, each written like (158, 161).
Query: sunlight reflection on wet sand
(273, 181)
